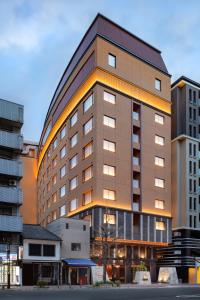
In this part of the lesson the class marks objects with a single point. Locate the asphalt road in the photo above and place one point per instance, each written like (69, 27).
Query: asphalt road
(172, 293)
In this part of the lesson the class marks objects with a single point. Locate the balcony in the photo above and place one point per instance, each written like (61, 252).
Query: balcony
(11, 195)
(10, 167)
(11, 140)
(136, 186)
(11, 223)
(11, 113)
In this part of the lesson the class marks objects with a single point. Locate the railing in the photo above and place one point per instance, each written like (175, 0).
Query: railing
(11, 140)
(135, 184)
(10, 223)
(135, 138)
(135, 115)
(11, 195)
(11, 111)
(136, 160)
(10, 167)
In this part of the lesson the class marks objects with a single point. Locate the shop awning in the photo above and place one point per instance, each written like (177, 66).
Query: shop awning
(82, 262)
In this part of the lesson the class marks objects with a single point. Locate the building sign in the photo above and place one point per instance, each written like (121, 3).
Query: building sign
(4, 257)
(97, 274)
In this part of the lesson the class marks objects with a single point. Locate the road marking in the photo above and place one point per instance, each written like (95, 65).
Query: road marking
(188, 296)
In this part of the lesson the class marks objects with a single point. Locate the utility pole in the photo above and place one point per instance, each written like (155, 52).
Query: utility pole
(8, 265)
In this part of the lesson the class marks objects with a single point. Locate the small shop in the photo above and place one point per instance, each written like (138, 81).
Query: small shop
(77, 271)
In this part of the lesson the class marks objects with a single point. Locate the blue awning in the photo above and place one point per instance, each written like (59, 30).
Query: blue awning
(79, 262)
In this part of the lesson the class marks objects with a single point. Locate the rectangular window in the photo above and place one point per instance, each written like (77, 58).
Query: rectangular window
(158, 84)
(35, 249)
(109, 97)
(159, 204)
(109, 146)
(63, 133)
(62, 211)
(159, 119)
(108, 121)
(73, 161)
(84, 227)
(108, 170)
(54, 162)
(112, 60)
(160, 225)
(159, 161)
(55, 144)
(74, 140)
(109, 219)
(159, 182)
(87, 103)
(109, 194)
(49, 250)
(75, 246)
(73, 204)
(159, 140)
(87, 150)
(87, 127)
(73, 119)
(62, 191)
(73, 183)
(63, 152)
(87, 197)
(63, 171)
(87, 174)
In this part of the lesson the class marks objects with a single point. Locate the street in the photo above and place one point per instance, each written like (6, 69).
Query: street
(156, 293)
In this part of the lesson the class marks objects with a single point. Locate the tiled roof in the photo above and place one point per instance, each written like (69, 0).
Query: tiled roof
(37, 232)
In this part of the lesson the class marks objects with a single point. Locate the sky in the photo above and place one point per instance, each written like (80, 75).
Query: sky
(38, 38)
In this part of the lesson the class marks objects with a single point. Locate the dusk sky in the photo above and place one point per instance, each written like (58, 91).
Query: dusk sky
(38, 37)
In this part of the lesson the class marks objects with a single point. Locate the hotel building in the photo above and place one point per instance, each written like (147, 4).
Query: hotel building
(105, 150)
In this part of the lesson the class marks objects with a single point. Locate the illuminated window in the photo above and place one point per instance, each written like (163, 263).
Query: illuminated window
(87, 197)
(109, 219)
(63, 133)
(108, 170)
(74, 119)
(62, 211)
(109, 97)
(159, 204)
(63, 171)
(73, 204)
(108, 121)
(87, 103)
(109, 194)
(73, 183)
(87, 150)
(109, 146)
(87, 127)
(74, 140)
(158, 84)
(159, 182)
(63, 152)
(159, 161)
(159, 119)
(55, 144)
(87, 174)
(159, 140)
(54, 179)
(62, 191)
(112, 60)
(160, 225)
(73, 161)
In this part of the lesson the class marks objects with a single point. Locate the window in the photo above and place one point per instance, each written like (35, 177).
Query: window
(67, 225)
(63, 152)
(63, 171)
(73, 204)
(55, 144)
(159, 161)
(112, 60)
(87, 103)
(84, 227)
(87, 174)
(62, 191)
(48, 250)
(73, 161)
(87, 127)
(109, 219)
(54, 198)
(109, 194)
(108, 121)
(158, 84)
(74, 140)
(159, 182)
(54, 162)
(109, 146)
(87, 150)
(159, 119)
(35, 249)
(108, 170)
(75, 247)
(73, 119)
(159, 204)
(54, 179)
(73, 183)
(62, 211)
(159, 140)
(87, 197)
(109, 97)
(160, 225)
(63, 133)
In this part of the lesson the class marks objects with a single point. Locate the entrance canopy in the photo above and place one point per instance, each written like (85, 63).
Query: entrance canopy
(80, 262)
